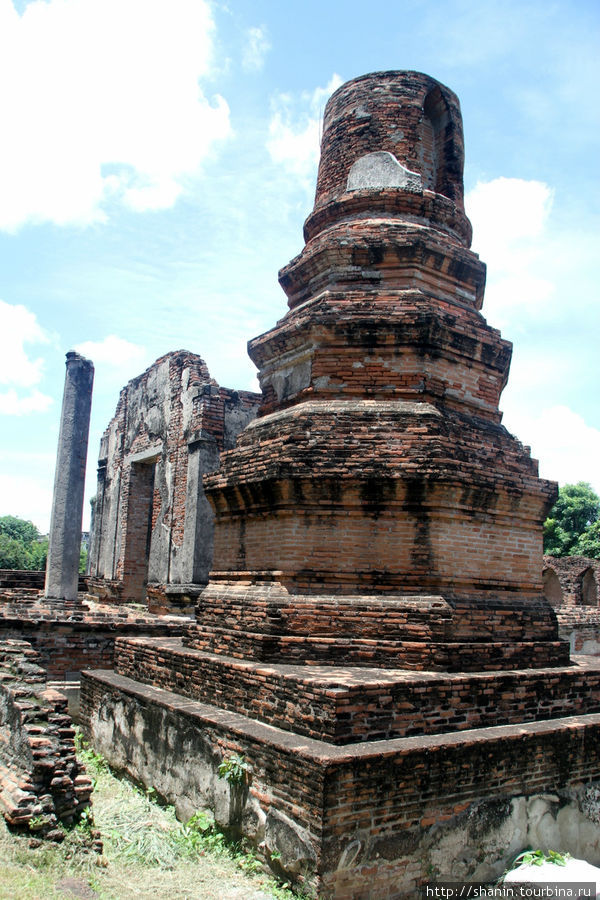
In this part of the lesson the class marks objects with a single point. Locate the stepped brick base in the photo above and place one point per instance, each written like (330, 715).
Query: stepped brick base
(344, 705)
(425, 632)
(365, 821)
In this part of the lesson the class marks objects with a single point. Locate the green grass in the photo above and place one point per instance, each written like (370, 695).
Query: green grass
(147, 854)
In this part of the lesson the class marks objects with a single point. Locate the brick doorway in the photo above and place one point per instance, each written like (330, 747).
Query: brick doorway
(138, 530)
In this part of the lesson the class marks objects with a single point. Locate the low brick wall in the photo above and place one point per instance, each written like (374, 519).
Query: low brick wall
(366, 821)
(42, 783)
(26, 579)
(80, 636)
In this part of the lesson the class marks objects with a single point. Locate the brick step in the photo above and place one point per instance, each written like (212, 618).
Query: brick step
(267, 608)
(442, 656)
(348, 705)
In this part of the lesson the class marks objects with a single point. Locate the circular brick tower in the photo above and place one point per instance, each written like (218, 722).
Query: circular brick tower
(377, 512)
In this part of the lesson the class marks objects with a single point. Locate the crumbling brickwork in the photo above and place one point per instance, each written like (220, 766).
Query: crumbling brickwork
(571, 586)
(42, 784)
(378, 470)
(151, 522)
(69, 640)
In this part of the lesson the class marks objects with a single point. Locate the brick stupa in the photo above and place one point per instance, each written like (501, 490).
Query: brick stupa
(373, 639)
(377, 512)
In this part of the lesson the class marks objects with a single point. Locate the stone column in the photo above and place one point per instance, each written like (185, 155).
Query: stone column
(62, 569)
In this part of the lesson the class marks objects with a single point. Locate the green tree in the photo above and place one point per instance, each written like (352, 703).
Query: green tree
(13, 553)
(19, 529)
(589, 542)
(20, 545)
(572, 527)
(38, 554)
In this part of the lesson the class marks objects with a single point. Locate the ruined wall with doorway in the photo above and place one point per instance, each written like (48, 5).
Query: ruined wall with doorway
(151, 531)
(572, 587)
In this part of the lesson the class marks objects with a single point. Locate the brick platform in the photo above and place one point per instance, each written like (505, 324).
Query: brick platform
(363, 821)
(345, 705)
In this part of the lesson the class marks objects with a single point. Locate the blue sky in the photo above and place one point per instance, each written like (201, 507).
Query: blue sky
(158, 159)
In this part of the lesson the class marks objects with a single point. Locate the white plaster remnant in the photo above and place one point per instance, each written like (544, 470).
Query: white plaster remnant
(382, 170)
(575, 871)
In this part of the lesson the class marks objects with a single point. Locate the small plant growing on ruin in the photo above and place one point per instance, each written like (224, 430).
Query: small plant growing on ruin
(538, 858)
(249, 862)
(94, 762)
(235, 769)
(37, 823)
(200, 834)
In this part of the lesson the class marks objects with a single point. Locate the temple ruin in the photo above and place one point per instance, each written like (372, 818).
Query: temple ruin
(67, 630)
(571, 587)
(374, 638)
(152, 531)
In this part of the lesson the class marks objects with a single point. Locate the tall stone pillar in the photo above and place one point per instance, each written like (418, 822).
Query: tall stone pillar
(62, 569)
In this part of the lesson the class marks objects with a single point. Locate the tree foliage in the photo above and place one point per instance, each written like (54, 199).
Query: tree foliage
(573, 527)
(21, 545)
(19, 529)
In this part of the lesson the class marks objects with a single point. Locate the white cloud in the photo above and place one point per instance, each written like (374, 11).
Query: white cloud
(568, 449)
(28, 496)
(511, 233)
(294, 130)
(113, 351)
(538, 292)
(507, 212)
(11, 404)
(257, 47)
(102, 103)
(18, 327)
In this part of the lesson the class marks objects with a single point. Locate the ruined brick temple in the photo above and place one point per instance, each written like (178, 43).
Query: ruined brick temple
(571, 588)
(152, 525)
(69, 631)
(374, 638)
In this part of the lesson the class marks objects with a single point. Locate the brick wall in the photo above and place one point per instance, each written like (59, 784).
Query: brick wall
(576, 580)
(571, 587)
(354, 821)
(68, 641)
(27, 580)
